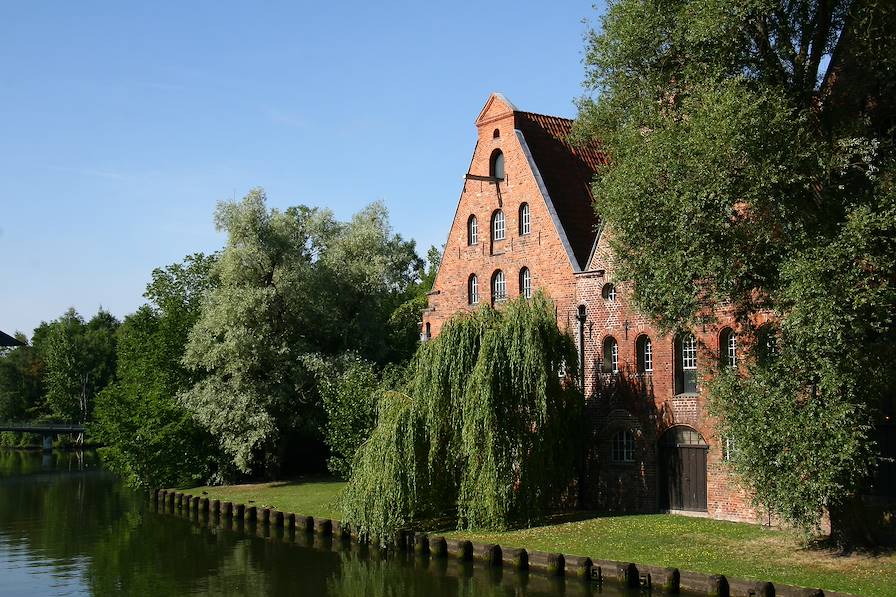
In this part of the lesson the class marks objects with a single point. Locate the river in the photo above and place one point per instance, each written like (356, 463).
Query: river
(67, 527)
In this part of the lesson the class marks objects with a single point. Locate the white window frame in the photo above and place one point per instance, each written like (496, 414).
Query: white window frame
(622, 447)
(498, 227)
(525, 220)
(526, 283)
(731, 349)
(473, 290)
(729, 448)
(647, 356)
(472, 231)
(689, 352)
(499, 286)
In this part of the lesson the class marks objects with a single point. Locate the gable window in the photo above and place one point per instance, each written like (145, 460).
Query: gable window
(525, 283)
(498, 225)
(472, 231)
(728, 348)
(499, 287)
(686, 364)
(609, 293)
(496, 133)
(473, 290)
(622, 447)
(644, 348)
(525, 223)
(496, 165)
(611, 355)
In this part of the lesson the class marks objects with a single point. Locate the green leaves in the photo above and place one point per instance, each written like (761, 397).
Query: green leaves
(484, 428)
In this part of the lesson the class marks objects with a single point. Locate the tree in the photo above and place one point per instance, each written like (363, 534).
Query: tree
(752, 167)
(21, 377)
(290, 284)
(149, 438)
(484, 429)
(79, 360)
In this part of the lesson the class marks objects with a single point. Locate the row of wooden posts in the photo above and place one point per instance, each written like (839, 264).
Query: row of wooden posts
(627, 574)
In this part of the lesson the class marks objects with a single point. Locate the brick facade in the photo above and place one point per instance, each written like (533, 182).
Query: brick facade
(571, 263)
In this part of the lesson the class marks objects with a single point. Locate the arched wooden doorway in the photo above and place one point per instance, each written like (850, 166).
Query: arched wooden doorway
(682, 469)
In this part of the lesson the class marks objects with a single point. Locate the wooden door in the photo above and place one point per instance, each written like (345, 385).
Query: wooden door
(683, 477)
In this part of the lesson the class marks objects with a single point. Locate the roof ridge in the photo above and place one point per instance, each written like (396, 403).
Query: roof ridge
(545, 115)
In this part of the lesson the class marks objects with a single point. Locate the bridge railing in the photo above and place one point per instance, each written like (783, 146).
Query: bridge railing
(23, 426)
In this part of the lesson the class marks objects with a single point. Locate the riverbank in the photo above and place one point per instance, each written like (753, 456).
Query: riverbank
(695, 544)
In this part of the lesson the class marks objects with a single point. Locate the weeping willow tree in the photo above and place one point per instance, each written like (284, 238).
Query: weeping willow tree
(484, 429)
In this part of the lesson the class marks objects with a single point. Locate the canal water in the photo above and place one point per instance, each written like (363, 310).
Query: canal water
(67, 527)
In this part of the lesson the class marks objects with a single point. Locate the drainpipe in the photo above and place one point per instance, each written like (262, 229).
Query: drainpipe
(580, 317)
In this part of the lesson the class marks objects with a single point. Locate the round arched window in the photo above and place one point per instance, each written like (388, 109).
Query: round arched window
(498, 228)
(473, 290)
(472, 231)
(525, 220)
(525, 283)
(496, 165)
(496, 133)
(728, 348)
(611, 355)
(645, 354)
(499, 287)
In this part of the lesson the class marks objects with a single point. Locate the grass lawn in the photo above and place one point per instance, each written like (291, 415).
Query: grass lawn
(713, 546)
(696, 544)
(309, 497)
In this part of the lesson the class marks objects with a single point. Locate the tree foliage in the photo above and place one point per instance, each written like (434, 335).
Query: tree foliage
(484, 428)
(21, 381)
(292, 283)
(150, 439)
(752, 167)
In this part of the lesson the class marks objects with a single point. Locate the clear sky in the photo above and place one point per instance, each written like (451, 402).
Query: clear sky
(123, 123)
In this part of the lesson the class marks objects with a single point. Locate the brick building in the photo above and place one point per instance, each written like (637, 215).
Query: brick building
(524, 222)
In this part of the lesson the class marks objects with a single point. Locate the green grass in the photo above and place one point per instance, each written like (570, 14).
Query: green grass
(695, 544)
(713, 546)
(307, 497)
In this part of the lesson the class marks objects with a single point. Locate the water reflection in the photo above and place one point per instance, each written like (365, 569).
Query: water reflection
(69, 528)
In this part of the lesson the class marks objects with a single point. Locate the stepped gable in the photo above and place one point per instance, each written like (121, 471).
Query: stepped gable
(567, 171)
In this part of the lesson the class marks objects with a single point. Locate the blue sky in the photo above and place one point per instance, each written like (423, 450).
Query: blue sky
(123, 123)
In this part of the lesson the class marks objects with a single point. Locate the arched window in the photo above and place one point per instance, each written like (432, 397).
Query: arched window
(622, 447)
(686, 364)
(473, 290)
(472, 231)
(609, 293)
(499, 287)
(525, 221)
(611, 355)
(496, 165)
(496, 133)
(644, 348)
(498, 225)
(525, 283)
(766, 343)
(728, 348)
(428, 331)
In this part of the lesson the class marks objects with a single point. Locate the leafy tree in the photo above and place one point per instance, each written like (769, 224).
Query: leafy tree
(21, 377)
(149, 438)
(291, 283)
(79, 360)
(752, 167)
(484, 429)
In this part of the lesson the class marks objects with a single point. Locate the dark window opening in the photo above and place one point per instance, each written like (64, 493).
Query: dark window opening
(496, 166)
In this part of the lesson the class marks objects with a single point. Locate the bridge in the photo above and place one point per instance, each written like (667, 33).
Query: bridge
(47, 430)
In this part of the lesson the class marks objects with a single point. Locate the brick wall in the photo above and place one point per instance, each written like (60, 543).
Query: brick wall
(541, 250)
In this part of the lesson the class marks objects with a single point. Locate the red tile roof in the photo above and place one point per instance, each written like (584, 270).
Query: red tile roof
(567, 171)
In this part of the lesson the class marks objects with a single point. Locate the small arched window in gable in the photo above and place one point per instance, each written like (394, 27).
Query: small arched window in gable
(473, 290)
(498, 229)
(611, 355)
(472, 231)
(525, 283)
(499, 287)
(609, 292)
(496, 165)
(496, 133)
(525, 220)
(728, 348)
(644, 348)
